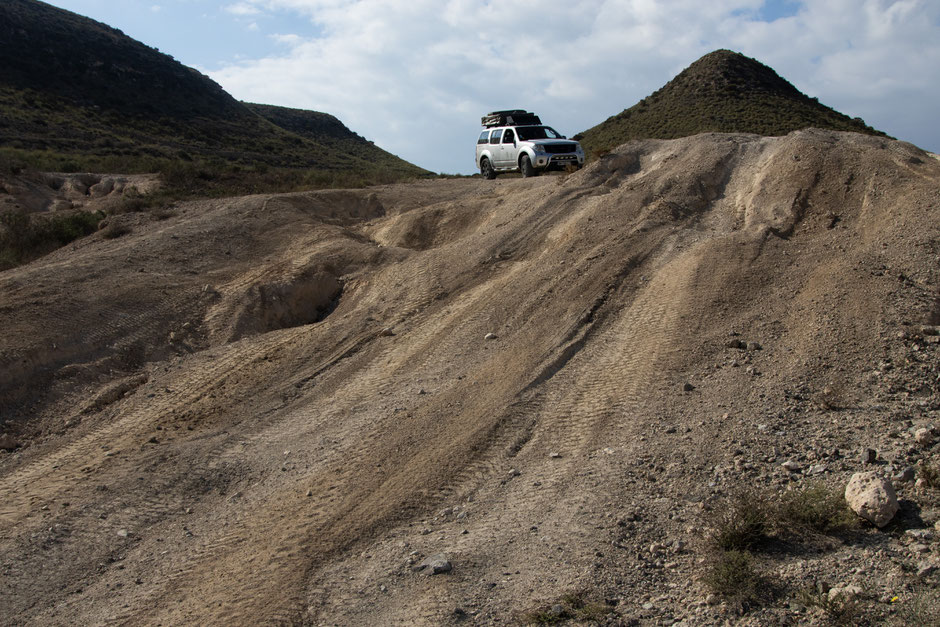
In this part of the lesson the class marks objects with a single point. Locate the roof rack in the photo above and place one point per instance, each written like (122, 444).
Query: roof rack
(512, 117)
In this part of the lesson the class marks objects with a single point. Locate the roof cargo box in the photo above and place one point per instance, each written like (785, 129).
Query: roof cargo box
(513, 117)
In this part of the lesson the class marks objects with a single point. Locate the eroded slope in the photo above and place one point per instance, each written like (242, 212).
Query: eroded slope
(266, 409)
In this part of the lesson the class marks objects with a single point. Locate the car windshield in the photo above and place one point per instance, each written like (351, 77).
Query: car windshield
(537, 132)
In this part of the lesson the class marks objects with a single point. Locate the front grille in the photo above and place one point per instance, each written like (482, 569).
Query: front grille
(555, 149)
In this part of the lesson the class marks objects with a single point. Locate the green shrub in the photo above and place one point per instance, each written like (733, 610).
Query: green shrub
(742, 522)
(572, 606)
(731, 574)
(24, 238)
(114, 230)
(817, 508)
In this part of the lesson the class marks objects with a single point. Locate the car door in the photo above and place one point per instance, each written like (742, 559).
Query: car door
(496, 147)
(507, 149)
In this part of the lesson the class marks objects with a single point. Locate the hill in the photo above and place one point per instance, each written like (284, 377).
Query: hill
(77, 94)
(723, 92)
(273, 409)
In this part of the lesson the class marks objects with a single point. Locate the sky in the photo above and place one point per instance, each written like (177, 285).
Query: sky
(415, 76)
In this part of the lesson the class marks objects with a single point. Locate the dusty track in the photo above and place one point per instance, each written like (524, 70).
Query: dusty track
(255, 411)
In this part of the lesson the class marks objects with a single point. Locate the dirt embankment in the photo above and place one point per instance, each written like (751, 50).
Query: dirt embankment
(270, 408)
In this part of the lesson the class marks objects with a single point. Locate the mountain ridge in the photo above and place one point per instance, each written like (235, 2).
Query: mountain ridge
(725, 92)
(72, 85)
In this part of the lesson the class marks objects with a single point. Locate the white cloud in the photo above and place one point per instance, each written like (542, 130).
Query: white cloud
(156, 8)
(243, 9)
(289, 40)
(416, 75)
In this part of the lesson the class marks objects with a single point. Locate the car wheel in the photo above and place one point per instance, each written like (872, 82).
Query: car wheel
(525, 166)
(486, 169)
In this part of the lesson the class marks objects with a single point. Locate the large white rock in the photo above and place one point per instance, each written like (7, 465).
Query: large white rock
(872, 497)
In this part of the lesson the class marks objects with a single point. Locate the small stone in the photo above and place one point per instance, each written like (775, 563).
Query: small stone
(386, 332)
(490, 336)
(712, 599)
(687, 387)
(845, 593)
(905, 476)
(869, 455)
(926, 568)
(554, 455)
(921, 535)
(919, 548)
(754, 346)
(435, 565)
(791, 466)
(872, 497)
(123, 533)
(7, 443)
(924, 437)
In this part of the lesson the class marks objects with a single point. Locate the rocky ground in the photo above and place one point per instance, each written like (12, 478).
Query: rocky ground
(487, 402)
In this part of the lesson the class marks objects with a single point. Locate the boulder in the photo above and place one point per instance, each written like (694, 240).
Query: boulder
(105, 187)
(872, 497)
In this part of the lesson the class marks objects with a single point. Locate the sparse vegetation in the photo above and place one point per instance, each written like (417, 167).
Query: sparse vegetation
(815, 508)
(570, 607)
(114, 230)
(749, 521)
(841, 610)
(24, 237)
(732, 575)
(920, 607)
(743, 523)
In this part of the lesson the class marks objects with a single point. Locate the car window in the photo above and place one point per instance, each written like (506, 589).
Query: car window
(531, 132)
(509, 137)
(484, 137)
(538, 132)
(495, 135)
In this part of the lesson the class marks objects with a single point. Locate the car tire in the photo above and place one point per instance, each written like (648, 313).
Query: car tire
(486, 169)
(525, 166)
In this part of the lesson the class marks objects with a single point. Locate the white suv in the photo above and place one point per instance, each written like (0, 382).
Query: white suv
(516, 141)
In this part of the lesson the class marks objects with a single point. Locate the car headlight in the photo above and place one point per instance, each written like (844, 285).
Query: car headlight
(540, 148)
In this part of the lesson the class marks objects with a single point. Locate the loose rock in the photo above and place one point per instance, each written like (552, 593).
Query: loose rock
(845, 593)
(435, 565)
(791, 466)
(924, 437)
(872, 497)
